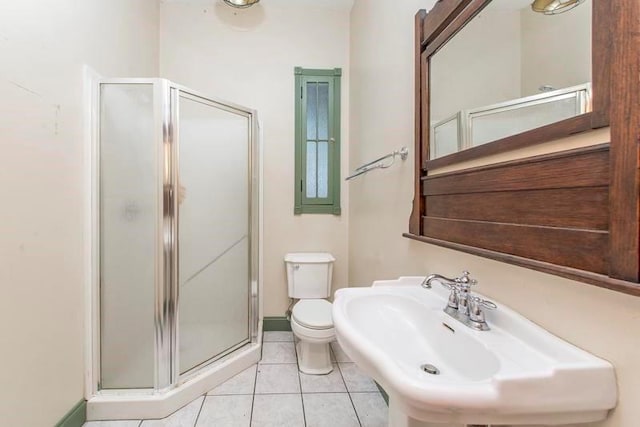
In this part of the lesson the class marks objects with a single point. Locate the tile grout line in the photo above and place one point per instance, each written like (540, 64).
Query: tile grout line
(345, 386)
(174, 412)
(200, 410)
(304, 415)
(309, 392)
(278, 363)
(288, 392)
(255, 383)
(355, 410)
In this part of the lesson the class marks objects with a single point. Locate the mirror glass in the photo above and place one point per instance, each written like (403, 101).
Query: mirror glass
(509, 70)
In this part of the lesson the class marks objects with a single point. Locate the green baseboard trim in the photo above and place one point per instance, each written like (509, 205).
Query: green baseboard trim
(75, 417)
(384, 394)
(276, 324)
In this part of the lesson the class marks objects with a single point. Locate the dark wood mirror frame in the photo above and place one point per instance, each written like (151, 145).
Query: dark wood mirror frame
(573, 213)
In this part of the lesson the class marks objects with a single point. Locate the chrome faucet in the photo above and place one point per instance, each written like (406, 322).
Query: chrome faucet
(462, 304)
(426, 283)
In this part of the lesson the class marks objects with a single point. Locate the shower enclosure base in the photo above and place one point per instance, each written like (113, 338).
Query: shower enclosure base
(133, 404)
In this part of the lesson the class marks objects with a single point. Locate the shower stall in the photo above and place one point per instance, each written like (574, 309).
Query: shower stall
(175, 246)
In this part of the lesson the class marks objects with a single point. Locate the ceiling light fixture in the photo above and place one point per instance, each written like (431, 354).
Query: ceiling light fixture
(241, 4)
(553, 7)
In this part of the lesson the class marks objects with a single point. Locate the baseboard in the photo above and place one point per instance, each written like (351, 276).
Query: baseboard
(384, 394)
(276, 324)
(75, 417)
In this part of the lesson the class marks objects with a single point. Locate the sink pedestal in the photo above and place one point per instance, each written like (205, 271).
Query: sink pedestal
(397, 418)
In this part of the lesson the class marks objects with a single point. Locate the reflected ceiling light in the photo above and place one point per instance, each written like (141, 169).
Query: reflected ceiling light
(553, 7)
(241, 4)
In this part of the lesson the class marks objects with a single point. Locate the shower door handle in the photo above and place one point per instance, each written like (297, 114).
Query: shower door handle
(168, 199)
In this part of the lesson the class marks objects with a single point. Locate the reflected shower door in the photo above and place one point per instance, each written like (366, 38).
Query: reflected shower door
(213, 224)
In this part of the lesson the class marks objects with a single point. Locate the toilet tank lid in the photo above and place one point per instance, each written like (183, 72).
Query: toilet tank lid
(309, 257)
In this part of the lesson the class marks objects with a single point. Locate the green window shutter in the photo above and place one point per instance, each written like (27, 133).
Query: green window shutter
(317, 151)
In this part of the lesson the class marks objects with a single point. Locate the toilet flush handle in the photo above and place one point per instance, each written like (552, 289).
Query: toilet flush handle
(296, 267)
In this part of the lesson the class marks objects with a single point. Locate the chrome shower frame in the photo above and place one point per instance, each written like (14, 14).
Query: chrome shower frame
(167, 376)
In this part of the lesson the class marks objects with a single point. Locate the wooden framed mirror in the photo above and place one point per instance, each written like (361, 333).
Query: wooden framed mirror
(572, 212)
(500, 52)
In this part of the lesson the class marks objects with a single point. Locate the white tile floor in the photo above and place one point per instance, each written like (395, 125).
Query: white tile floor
(274, 393)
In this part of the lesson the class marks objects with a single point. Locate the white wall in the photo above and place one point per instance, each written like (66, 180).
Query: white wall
(43, 46)
(479, 66)
(600, 321)
(247, 57)
(556, 50)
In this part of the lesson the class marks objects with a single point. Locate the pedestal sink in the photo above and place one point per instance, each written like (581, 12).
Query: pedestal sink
(438, 371)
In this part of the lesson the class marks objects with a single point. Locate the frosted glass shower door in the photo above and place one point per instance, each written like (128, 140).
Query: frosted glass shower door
(128, 206)
(213, 230)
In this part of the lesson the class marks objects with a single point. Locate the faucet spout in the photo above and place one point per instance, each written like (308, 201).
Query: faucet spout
(445, 281)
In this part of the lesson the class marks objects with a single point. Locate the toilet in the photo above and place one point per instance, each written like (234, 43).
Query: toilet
(309, 281)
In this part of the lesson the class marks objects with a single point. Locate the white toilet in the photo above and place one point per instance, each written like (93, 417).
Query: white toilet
(309, 280)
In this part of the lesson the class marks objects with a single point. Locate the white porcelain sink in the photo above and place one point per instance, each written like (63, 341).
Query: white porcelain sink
(516, 373)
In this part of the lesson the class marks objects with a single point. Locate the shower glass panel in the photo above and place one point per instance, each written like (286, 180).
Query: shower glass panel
(492, 125)
(213, 229)
(176, 236)
(447, 136)
(128, 221)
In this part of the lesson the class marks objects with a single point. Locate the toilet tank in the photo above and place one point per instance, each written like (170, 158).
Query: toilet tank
(309, 274)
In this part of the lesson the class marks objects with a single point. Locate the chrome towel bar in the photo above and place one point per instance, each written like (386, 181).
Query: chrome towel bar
(379, 163)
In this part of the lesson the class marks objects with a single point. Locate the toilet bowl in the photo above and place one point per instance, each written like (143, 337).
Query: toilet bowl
(312, 324)
(309, 280)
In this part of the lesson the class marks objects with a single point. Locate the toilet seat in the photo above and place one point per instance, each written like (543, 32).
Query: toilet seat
(312, 324)
(313, 314)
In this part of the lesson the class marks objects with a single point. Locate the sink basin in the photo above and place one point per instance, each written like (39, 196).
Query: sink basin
(437, 370)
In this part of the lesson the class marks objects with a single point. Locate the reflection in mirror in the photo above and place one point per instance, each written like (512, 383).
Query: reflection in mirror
(507, 71)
